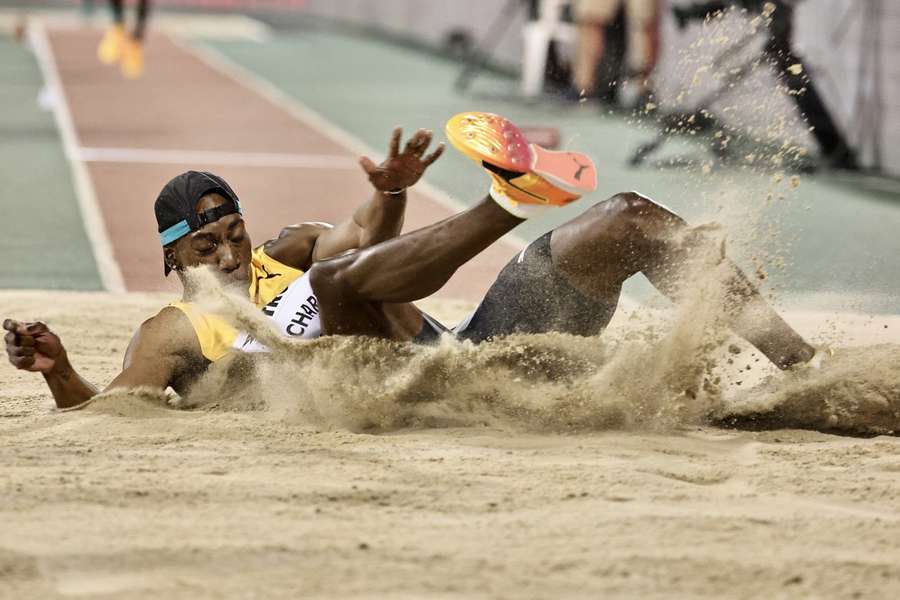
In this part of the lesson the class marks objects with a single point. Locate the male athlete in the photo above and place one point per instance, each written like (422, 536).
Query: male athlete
(359, 277)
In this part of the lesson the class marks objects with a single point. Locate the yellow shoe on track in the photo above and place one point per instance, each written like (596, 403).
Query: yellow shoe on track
(110, 49)
(526, 178)
(132, 63)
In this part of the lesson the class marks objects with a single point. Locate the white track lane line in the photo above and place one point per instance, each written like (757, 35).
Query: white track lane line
(317, 122)
(205, 157)
(110, 274)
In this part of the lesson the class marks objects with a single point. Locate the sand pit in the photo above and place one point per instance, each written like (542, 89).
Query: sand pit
(130, 499)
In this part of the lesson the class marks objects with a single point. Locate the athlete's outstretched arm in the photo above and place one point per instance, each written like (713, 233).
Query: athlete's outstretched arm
(377, 220)
(381, 217)
(156, 356)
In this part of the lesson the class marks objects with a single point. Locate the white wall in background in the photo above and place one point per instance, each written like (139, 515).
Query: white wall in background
(431, 21)
(831, 34)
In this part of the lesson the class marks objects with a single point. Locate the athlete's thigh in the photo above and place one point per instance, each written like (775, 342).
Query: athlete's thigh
(341, 311)
(641, 13)
(348, 317)
(530, 296)
(614, 239)
(343, 314)
(595, 11)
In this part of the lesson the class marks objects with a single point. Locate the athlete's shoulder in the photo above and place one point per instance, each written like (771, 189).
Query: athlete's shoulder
(294, 245)
(168, 332)
(169, 317)
(164, 350)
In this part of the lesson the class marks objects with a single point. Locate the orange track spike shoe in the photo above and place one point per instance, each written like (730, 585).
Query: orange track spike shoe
(132, 63)
(110, 49)
(526, 178)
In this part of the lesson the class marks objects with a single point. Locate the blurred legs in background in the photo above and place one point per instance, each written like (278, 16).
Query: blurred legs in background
(643, 43)
(20, 28)
(593, 18)
(140, 26)
(110, 50)
(118, 46)
(133, 52)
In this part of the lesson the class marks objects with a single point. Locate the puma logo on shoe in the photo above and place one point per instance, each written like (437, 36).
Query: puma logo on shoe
(580, 170)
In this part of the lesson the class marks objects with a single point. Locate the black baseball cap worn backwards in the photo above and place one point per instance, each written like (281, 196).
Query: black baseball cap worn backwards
(175, 207)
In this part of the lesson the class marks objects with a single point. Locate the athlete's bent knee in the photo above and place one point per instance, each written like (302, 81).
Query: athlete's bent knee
(632, 204)
(641, 212)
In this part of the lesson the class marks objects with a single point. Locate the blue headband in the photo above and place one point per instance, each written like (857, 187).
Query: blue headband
(182, 228)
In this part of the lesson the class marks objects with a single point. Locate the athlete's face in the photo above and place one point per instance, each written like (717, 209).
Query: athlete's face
(223, 245)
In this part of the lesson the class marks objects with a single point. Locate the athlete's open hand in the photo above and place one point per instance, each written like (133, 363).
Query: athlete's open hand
(32, 346)
(402, 169)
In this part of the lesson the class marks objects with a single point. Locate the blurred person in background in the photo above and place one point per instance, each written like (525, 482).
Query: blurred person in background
(593, 19)
(120, 46)
(790, 70)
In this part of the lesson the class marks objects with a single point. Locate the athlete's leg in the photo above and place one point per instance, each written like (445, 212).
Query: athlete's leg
(353, 288)
(588, 55)
(642, 18)
(132, 63)
(110, 49)
(531, 296)
(629, 233)
(591, 17)
(358, 290)
(118, 11)
(140, 26)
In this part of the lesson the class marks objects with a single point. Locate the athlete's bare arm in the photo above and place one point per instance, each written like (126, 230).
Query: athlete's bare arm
(163, 352)
(377, 220)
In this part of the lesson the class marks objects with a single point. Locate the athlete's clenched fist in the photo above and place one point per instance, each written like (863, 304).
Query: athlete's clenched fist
(32, 346)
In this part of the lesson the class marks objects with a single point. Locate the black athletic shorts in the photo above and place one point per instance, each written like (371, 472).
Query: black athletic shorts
(528, 296)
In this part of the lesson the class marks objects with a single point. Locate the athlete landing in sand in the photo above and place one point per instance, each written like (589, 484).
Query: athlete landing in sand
(359, 277)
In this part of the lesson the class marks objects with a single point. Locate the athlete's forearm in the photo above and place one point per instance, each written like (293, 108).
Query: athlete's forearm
(380, 218)
(67, 386)
(377, 220)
